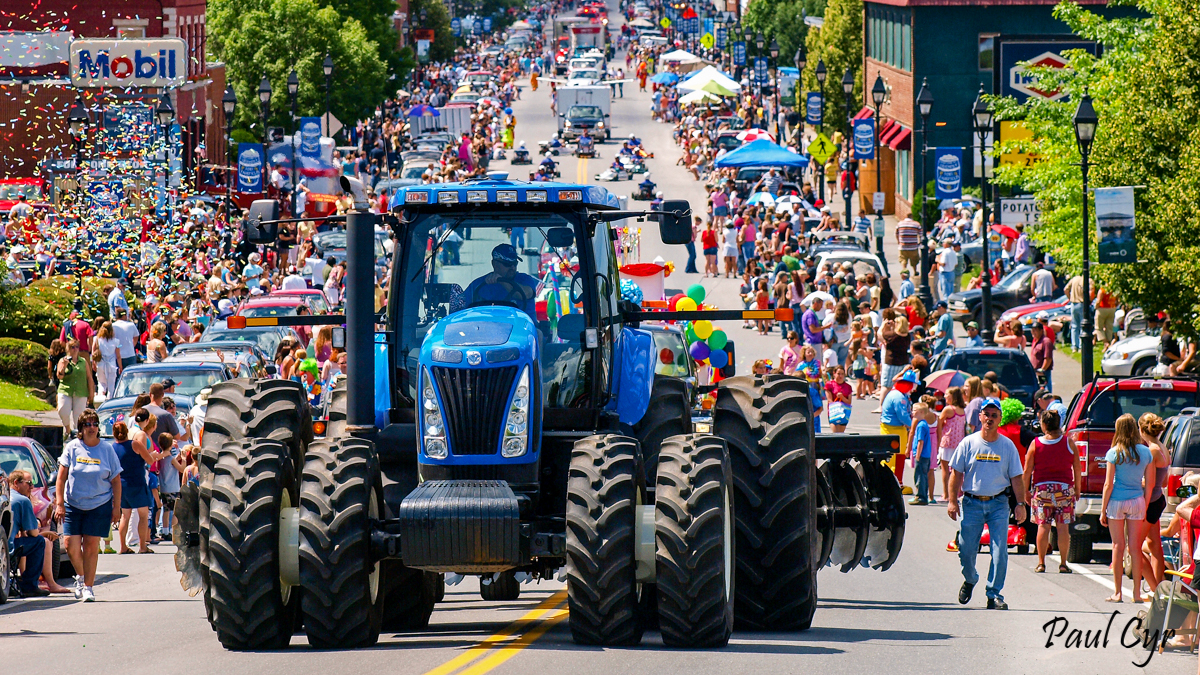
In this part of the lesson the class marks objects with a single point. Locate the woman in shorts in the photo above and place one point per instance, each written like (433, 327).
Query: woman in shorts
(1052, 480)
(87, 499)
(1153, 563)
(1128, 481)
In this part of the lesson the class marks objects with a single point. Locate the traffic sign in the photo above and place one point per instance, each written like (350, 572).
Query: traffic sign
(821, 149)
(664, 22)
(877, 202)
(330, 125)
(707, 40)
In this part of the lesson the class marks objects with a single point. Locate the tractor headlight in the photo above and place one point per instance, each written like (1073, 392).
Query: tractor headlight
(516, 427)
(433, 424)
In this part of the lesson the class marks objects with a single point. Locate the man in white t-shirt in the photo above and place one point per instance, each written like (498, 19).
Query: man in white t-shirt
(1042, 284)
(126, 333)
(293, 281)
(947, 262)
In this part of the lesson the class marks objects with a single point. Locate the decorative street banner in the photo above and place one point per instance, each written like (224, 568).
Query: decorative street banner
(456, 26)
(722, 36)
(250, 167)
(1114, 226)
(760, 70)
(487, 24)
(813, 109)
(739, 53)
(103, 198)
(1017, 55)
(310, 138)
(130, 128)
(864, 138)
(948, 172)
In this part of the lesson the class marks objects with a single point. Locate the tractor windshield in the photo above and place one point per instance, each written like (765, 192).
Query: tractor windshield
(447, 252)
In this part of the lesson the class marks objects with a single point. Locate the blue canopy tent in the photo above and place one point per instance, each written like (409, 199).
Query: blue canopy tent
(761, 153)
(665, 78)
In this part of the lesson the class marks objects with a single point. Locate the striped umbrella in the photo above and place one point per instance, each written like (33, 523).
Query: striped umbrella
(944, 379)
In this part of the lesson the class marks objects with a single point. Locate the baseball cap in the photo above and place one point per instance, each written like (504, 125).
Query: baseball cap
(942, 304)
(991, 402)
(970, 324)
(903, 273)
(167, 383)
(506, 253)
(909, 376)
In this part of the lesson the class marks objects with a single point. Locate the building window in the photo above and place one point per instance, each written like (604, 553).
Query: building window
(903, 188)
(906, 47)
(987, 43)
(131, 33)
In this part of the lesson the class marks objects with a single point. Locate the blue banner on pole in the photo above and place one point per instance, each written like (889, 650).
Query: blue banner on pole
(864, 138)
(739, 53)
(722, 37)
(814, 111)
(760, 70)
(948, 172)
(487, 24)
(250, 167)
(478, 26)
(456, 26)
(310, 138)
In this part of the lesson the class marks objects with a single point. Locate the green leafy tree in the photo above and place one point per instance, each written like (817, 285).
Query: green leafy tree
(297, 34)
(840, 43)
(782, 20)
(437, 17)
(1149, 135)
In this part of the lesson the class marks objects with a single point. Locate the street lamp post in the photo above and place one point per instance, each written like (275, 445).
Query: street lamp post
(264, 97)
(165, 113)
(77, 118)
(229, 104)
(878, 94)
(293, 87)
(327, 67)
(800, 60)
(924, 106)
(774, 52)
(822, 73)
(983, 124)
(758, 52)
(1086, 122)
(848, 90)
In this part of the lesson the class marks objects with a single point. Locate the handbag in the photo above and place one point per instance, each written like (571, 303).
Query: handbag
(839, 413)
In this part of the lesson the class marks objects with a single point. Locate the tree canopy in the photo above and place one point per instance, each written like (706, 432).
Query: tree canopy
(1148, 135)
(839, 42)
(782, 20)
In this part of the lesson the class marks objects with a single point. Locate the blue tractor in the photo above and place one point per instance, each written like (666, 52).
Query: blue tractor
(501, 417)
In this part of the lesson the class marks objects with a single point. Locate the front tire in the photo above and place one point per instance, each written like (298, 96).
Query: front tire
(409, 604)
(602, 498)
(766, 423)
(668, 414)
(694, 525)
(504, 587)
(251, 607)
(340, 495)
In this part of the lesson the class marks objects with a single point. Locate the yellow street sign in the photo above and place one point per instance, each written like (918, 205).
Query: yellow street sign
(1016, 131)
(664, 22)
(821, 149)
(707, 40)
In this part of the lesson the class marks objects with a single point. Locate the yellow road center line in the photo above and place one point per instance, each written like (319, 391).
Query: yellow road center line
(581, 171)
(504, 634)
(510, 650)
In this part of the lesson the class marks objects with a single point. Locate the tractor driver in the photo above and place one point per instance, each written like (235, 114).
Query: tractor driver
(505, 283)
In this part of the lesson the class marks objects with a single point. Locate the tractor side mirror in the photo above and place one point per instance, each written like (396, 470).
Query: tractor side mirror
(560, 237)
(731, 369)
(675, 221)
(270, 368)
(256, 232)
(339, 337)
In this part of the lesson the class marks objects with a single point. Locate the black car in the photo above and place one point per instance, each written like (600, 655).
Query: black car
(1016, 373)
(1012, 291)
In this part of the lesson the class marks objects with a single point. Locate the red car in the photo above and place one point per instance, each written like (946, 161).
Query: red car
(12, 188)
(1026, 313)
(313, 297)
(265, 306)
(17, 452)
(1091, 419)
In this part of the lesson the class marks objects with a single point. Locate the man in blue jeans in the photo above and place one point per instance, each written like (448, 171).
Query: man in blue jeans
(984, 465)
(26, 540)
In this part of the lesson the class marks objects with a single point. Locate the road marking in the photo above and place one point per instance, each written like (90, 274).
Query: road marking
(1126, 589)
(547, 606)
(505, 653)
(581, 171)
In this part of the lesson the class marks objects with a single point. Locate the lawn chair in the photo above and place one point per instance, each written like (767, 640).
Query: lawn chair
(1176, 597)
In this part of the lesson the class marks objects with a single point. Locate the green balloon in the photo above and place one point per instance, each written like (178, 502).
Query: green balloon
(696, 292)
(690, 333)
(718, 339)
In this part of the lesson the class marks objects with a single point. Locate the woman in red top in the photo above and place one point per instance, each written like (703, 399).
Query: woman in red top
(839, 392)
(1052, 476)
(708, 240)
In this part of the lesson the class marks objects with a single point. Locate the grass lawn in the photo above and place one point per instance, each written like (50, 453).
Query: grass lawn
(10, 425)
(1097, 354)
(16, 397)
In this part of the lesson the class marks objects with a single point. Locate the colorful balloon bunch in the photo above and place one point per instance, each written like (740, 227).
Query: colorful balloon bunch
(707, 342)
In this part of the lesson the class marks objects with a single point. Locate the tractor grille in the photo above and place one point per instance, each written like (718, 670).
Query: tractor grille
(476, 402)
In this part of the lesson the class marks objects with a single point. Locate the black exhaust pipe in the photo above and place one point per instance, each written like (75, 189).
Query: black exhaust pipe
(360, 323)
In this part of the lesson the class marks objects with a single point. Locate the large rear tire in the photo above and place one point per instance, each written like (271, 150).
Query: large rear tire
(341, 493)
(767, 426)
(694, 524)
(602, 498)
(668, 414)
(336, 424)
(251, 606)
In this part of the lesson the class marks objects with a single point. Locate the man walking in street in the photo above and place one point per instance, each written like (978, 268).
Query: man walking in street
(908, 238)
(1075, 297)
(1041, 352)
(947, 261)
(985, 465)
(906, 285)
(943, 330)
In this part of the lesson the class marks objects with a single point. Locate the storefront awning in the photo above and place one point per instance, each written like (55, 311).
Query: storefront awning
(864, 113)
(901, 140)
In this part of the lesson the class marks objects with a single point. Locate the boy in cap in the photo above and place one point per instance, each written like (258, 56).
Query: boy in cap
(973, 338)
(895, 417)
(985, 465)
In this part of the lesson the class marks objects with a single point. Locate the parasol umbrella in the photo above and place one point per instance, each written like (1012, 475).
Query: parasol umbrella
(423, 110)
(641, 23)
(400, 93)
(761, 198)
(751, 135)
(944, 379)
(787, 204)
(817, 295)
(715, 87)
(699, 97)
(665, 78)
(1006, 230)
(969, 198)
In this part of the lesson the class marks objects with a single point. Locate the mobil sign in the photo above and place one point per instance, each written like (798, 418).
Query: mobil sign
(1018, 57)
(159, 62)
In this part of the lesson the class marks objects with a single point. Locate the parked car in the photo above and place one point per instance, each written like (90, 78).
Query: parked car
(838, 241)
(1181, 438)
(313, 297)
(119, 409)
(1091, 419)
(249, 352)
(190, 376)
(268, 306)
(1026, 313)
(17, 452)
(1012, 291)
(862, 263)
(1134, 355)
(1016, 373)
(267, 337)
(333, 244)
(242, 364)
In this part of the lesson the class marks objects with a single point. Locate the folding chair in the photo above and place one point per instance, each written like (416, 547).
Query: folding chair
(1179, 596)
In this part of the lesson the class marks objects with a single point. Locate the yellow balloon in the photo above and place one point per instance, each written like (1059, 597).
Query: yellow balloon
(686, 305)
(703, 329)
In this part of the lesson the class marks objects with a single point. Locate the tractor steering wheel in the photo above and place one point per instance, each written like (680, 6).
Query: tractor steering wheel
(515, 297)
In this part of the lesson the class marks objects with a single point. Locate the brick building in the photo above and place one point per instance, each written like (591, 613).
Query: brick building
(36, 92)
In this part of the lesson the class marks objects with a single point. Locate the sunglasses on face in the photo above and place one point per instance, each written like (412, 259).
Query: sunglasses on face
(991, 416)
(85, 425)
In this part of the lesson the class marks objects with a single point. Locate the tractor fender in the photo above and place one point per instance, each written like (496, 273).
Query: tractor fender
(633, 375)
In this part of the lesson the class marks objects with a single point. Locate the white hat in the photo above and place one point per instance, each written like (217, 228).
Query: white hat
(225, 305)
